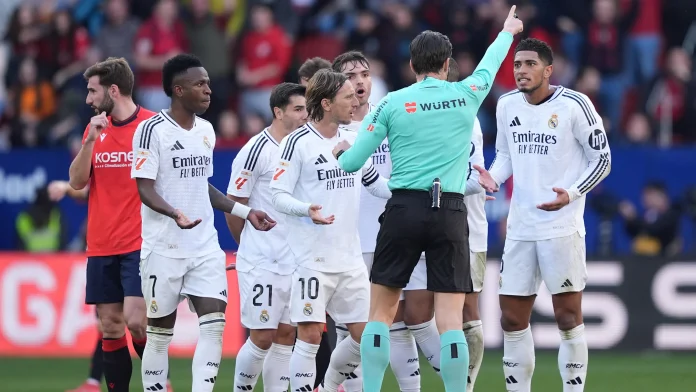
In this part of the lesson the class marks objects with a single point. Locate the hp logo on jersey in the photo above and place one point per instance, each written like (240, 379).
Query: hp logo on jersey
(598, 140)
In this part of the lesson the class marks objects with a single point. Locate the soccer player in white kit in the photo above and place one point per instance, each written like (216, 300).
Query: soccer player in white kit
(552, 140)
(264, 263)
(404, 352)
(331, 276)
(173, 159)
(474, 199)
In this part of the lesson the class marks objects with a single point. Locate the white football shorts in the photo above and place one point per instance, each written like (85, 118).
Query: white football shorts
(419, 276)
(478, 270)
(264, 298)
(166, 281)
(558, 262)
(345, 296)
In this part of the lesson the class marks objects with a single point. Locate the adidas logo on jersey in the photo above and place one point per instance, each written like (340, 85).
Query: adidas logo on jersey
(567, 283)
(177, 146)
(515, 122)
(320, 160)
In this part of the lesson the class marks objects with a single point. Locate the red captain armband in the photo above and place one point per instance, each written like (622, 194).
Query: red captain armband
(325, 330)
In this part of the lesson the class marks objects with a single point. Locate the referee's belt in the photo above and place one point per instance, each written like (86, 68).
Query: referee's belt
(415, 196)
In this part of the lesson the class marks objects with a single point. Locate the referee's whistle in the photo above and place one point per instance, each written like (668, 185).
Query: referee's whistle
(436, 194)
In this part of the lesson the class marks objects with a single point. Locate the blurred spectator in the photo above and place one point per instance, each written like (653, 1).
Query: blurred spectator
(395, 46)
(25, 31)
(605, 50)
(264, 60)
(666, 95)
(116, 37)
(254, 123)
(64, 49)
(638, 129)
(207, 41)
(41, 228)
(159, 39)
(379, 85)
(364, 37)
(33, 100)
(655, 232)
(229, 136)
(644, 41)
(564, 72)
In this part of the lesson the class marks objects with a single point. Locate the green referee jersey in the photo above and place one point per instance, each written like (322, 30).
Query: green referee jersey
(429, 126)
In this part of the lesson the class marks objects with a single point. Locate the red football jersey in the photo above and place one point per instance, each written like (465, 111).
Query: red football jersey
(113, 216)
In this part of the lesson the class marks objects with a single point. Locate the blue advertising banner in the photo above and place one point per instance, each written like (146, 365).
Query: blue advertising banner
(24, 171)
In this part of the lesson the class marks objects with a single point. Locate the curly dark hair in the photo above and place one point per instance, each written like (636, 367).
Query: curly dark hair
(540, 47)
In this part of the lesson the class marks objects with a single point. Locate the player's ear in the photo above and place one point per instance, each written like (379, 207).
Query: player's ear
(445, 67)
(548, 70)
(113, 90)
(326, 104)
(277, 113)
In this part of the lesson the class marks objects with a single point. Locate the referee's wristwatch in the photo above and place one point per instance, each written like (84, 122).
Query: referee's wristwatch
(338, 154)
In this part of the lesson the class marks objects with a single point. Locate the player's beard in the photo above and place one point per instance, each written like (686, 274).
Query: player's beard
(106, 106)
(530, 90)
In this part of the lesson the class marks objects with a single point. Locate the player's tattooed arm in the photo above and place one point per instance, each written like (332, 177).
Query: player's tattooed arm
(155, 202)
(259, 219)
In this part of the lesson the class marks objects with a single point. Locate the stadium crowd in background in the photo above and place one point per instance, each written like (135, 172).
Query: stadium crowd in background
(637, 69)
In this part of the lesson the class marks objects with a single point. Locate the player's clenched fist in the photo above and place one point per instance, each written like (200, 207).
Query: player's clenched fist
(317, 218)
(260, 220)
(341, 146)
(97, 125)
(512, 24)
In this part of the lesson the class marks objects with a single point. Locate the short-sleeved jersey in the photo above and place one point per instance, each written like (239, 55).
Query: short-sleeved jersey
(180, 161)
(113, 218)
(371, 207)
(558, 143)
(252, 171)
(307, 169)
(429, 126)
(476, 214)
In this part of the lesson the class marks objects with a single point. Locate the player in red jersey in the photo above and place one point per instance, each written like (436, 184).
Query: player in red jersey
(113, 218)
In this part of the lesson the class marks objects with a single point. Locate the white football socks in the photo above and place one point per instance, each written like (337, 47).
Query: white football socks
(473, 331)
(518, 360)
(572, 359)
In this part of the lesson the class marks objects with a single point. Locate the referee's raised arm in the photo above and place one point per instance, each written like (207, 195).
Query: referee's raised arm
(429, 126)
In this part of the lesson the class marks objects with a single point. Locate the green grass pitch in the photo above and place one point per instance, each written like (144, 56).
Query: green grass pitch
(608, 372)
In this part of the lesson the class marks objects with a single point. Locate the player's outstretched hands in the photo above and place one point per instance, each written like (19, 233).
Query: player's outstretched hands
(183, 222)
(512, 24)
(342, 145)
(260, 220)
(562, 200)
(317, 218)
(487, 182)
(97, 125)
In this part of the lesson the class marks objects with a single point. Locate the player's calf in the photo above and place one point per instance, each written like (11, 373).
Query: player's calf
(572, 353)
(419, 317)
(155, 365)
(118, 366)
(473, 332)
(345, 359)
(454, 352)
(276, 367)
(518, 343)
(302, 365)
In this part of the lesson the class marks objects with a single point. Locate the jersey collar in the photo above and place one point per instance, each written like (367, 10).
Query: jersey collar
(556, 94)
(174, 123)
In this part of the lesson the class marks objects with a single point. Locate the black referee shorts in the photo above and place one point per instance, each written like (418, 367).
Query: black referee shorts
(410, 227)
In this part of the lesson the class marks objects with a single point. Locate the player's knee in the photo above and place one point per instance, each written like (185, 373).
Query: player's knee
(471, 311)
(285, 335)
(567, 319)
(212, 325)
(418, 311)
(310, 332)
(262, 338)
(136, 326)
(112, 324)
(512, 321)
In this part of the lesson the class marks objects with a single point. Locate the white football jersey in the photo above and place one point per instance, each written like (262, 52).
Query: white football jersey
(252, 170)
(308, 171)
(476, 214)
(559, 143)
(371, 207)
(180, 161)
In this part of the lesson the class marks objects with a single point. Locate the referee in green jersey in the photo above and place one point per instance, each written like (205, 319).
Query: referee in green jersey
(429, 126)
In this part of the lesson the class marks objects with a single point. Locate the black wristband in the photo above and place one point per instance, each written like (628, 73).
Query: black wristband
(338, 154)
